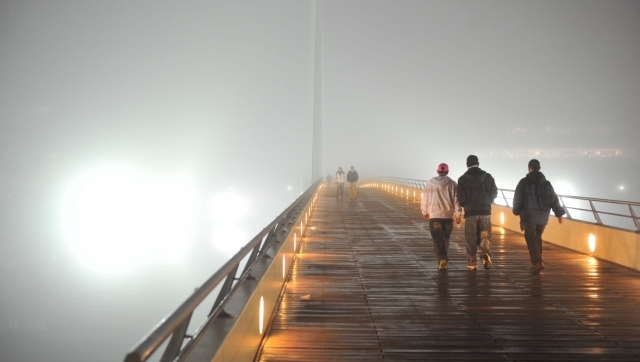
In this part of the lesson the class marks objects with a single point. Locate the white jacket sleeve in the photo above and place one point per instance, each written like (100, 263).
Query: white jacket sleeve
(424, 205)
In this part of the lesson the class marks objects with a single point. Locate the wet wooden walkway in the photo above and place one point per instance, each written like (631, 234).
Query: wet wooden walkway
(376, 294)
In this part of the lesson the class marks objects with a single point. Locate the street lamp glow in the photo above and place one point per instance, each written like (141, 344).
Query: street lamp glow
(116, 217)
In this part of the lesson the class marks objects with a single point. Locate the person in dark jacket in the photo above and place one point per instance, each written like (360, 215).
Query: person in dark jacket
(533, 199)
(476, 191)
(352, 178)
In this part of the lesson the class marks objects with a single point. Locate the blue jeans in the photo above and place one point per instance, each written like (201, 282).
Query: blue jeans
(340, 190)
(477, 231)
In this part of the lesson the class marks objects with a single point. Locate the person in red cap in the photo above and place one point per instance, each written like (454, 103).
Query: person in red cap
(440, 206)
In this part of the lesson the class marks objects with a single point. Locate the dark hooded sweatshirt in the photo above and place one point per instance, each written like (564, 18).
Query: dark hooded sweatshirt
(534, 198)
(476, 191)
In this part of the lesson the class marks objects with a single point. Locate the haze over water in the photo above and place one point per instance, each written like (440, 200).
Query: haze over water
(194, 104)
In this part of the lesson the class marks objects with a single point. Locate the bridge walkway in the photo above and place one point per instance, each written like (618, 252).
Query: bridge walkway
(376, 294)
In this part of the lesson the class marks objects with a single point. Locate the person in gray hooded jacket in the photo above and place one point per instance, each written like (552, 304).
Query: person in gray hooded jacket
(476, 192)
(440, 205)
(533, 199)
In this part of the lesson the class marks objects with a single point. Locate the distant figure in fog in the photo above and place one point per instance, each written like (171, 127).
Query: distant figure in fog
(340, 179)
(440, 205)
(352, 178)
(329, 179)
(476, 191)
(533, 199)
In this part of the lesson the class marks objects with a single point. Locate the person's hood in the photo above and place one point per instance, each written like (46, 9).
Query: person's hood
(440, 181)
(475, 174)
(536, 177)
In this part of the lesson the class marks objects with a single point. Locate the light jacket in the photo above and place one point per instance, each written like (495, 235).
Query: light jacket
(341, 177)
(440, 199)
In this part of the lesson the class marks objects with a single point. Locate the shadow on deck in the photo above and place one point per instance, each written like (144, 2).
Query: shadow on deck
(376, 294)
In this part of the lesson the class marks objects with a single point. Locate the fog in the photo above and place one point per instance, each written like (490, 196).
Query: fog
(181, 111)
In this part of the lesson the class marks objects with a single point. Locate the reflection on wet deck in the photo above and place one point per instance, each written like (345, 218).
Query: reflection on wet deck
(376, 294)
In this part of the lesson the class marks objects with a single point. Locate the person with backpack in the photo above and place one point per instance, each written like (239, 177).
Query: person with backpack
(439, 205)
(476, 192)
(533, 200)
(340, 178)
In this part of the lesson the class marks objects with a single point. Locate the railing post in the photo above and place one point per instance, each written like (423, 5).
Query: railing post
(226, 287)
(595, 213)
(635, 218)
(175, 343)
(566, 210)
(505, 198)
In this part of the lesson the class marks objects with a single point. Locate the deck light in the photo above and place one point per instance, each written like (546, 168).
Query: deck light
(294, 242)
(502, 218)
(284, 262)
(592, 242)
(261, 313)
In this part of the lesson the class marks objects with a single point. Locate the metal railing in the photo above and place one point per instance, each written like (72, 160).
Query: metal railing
(570, 204)
(176, 323)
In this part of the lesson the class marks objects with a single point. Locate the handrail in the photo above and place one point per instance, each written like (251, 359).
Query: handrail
(176, 323)
(593, 210)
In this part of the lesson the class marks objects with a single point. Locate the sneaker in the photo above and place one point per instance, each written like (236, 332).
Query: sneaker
(472, 267)
(538, 266)
(486, 261)
(442, 265)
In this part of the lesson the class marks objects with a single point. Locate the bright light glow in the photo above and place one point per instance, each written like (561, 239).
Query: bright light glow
(261, 313)
(294, 242)
(284, 262)
(229, 207)
(117, 217)
(229, 238)
(621, 187)
(563, 188)
(300, 227)
(592, 242)
(502, 218)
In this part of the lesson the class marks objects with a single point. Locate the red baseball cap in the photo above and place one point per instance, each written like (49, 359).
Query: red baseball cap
(443, 167)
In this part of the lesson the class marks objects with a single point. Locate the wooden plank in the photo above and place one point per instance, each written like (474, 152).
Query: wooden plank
(376, 294)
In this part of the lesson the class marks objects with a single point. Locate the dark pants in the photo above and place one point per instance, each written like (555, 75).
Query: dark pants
(533, 236)
(440, 232)
(477, 231)
(340, 190)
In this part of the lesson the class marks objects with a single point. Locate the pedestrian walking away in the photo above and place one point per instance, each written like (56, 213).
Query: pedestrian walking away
(440, 206)
(328, 179)
(476, 192)
(340, 179)
(533, 200)
(352, 178)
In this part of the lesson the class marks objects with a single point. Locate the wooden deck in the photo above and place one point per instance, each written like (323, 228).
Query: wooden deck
(376, 294)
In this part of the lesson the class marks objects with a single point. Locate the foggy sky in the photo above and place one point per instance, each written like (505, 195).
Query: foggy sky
(222, 92)
(417, 81)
